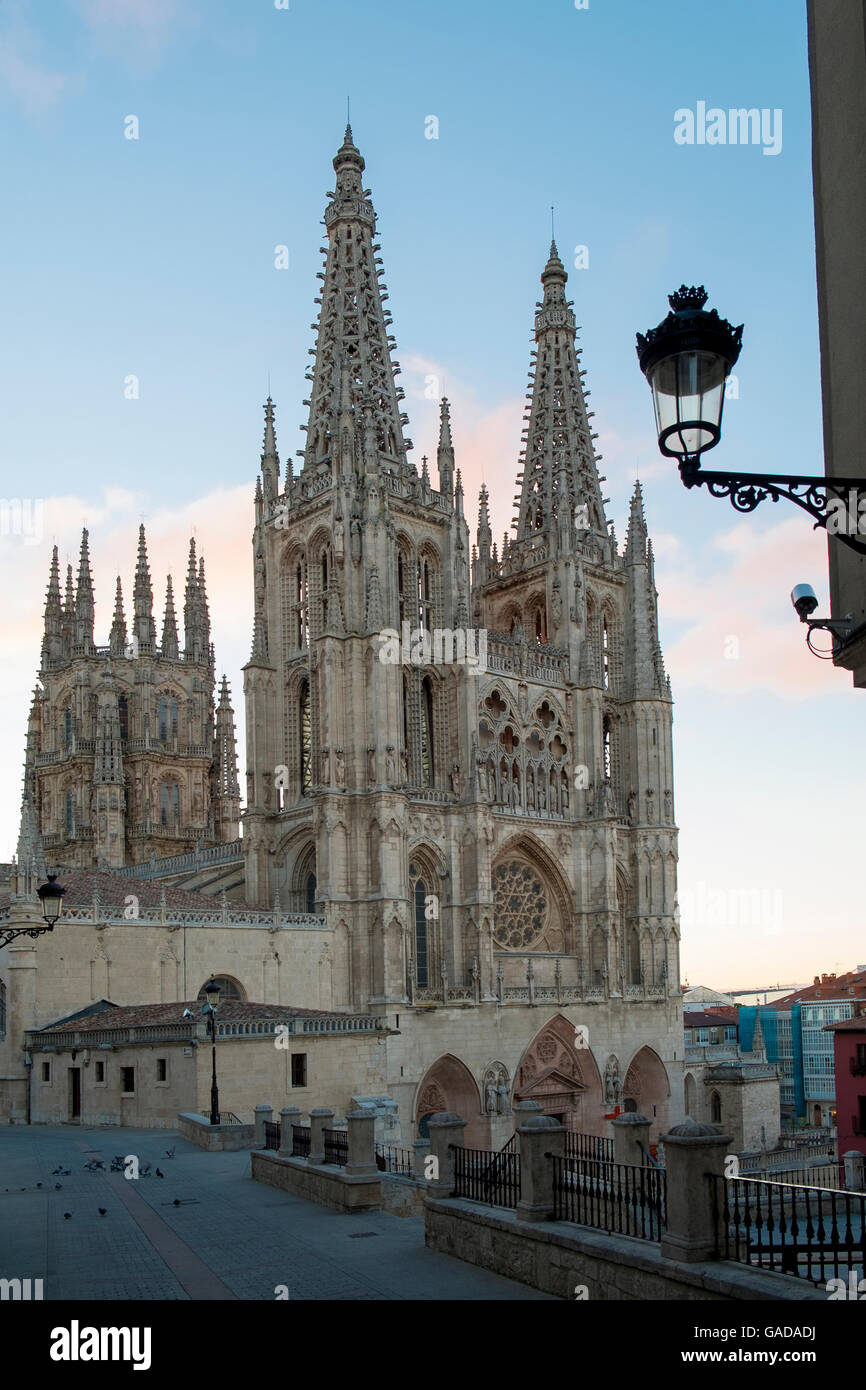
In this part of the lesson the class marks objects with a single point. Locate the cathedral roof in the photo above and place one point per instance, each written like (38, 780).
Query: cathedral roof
(82, 885)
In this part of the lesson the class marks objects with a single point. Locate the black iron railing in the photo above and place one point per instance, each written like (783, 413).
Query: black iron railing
(612, 1197)
(484, 1175)
(300, 1141)
(397, 1162)
(589, 1146)
(336, 1142)
(813, 1233)
(272, 1135)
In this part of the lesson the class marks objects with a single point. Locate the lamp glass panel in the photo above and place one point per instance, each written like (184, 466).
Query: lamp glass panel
(688, 396)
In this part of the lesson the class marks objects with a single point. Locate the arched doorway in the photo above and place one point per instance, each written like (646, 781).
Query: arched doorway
(647, 1084)
(450, 1086)
(563, 1078)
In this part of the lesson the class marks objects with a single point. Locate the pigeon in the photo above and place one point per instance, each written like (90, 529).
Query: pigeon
(39, 1184)
(57, 1186)
(159, 1174)
(102, 1211)
(169, 1153)
(176, 1202)
(67, 1216)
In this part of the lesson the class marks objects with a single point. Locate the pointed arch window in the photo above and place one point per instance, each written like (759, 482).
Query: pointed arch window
(419, 901)
(428, 769)
(167, 718)
(123, 714)
(401, 586)
(302, 622)
(70, 812)
(305, 729)
(67, 727)
(605, 737)
(634, 958)
(310, 890)
(425, 596)
(716, 1108)
(605, 656)
(169, 804)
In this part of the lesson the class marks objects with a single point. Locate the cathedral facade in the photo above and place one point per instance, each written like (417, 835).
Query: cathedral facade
(461, 757)
(459, 812)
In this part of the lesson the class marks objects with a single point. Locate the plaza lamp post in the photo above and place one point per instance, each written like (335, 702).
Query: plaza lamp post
(687, 359)
(212, 995)
(50, 895)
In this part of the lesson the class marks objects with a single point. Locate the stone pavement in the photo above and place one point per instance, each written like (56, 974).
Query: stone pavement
(229, 1237)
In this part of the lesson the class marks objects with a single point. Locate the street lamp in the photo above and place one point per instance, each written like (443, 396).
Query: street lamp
(212, 995)
(50, 895)
(686, 359)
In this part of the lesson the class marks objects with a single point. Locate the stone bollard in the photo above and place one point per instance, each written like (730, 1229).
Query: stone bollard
(289, 1115)
(628, 1132)
(539, 1135)
(446, 1129)
(263, 1114)
(361, 1125)
(692, 1150)
(420, 1150)
(855, 1171)
(320, 1119)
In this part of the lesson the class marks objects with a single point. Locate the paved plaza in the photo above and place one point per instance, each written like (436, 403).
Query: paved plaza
(227, 1238)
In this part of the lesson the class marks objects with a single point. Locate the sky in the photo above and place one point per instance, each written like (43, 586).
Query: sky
(146, 319)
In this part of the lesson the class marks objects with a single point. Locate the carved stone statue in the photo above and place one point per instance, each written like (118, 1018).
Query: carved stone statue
(491, 1099)
(371, 766)
(632, 806)
(456, 779)
(390, 767)
(339, 539)
(326, 767)
(339, 768)
(404, 767)
(668, 805)
(590, 799)
(515, 792)
(356, 541)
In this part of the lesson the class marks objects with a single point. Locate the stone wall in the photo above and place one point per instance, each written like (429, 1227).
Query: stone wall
(321, 1183)
(226, 1138)
(559, 1258)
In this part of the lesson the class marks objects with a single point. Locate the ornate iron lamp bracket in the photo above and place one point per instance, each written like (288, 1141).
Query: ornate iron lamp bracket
(748, 490)
(8, 934)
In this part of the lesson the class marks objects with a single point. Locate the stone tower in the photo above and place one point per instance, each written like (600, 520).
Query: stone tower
(484, 816)
(125, 755)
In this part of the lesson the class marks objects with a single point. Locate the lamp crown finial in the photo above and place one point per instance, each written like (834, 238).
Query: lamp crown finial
(688, 297)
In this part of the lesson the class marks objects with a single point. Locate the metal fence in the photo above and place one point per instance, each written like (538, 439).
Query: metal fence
(483, 1175)
(272, 1135)
(336, 1143)
(300, 1141)
(397, 1162)
(589, 1146)
(810, 1232)
(612, 1197)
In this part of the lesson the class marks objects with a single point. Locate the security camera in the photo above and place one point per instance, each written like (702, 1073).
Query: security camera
(804, 600)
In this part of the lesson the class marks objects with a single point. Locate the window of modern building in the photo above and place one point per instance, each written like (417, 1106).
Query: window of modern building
(46, 1071)
(99, 1073)
(127, 1080)
(299, 1068)
(161, 1069)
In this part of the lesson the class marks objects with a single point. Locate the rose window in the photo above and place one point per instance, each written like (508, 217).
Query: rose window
(519, 905)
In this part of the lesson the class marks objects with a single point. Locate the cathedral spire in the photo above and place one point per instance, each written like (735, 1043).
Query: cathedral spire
(67, 622)
(195, 638)
(270, 457)
(169, 625)
(445, 452)
(117, 637)
(226, 783)
(353, 366)
(636, 539)
(143, 626)
(560, 485)
(52, 641)
(84, 598)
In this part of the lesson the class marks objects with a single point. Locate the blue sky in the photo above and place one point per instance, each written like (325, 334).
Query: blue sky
(155, 257)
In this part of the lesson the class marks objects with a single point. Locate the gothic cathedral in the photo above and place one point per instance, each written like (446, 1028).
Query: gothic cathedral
(490, 835)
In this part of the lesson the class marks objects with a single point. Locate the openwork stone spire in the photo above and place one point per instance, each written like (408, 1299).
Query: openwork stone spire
(445, 452)
(52, 642)
(84, 598)
(169, 625)
(560, 475)
(270, 457)
(143, 624)
(117, 637)
(353, 371)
